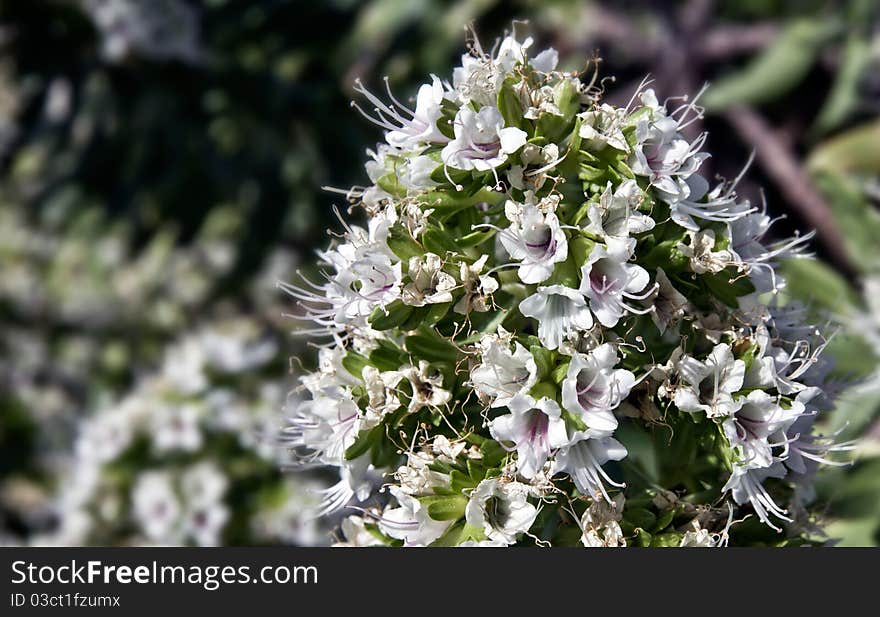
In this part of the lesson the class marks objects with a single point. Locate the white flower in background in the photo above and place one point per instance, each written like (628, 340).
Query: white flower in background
(758, 425)
(501, 510)
(600, 524)
(155, 505)
(603, 126)
(184, 366)
(481, 142)
(204, 523)
(582, 459)
(502, 373)
(430, 284)
(478, 287)
(155, 29)
(616, 217)
(561, 312)
(203, 483)
(177, 428)
(236, 346)
(534, 427)
(410, 522)
(427, 387)
(535, 239)
(408, 129)
(608, 281)
(709, 385)
(593, 388)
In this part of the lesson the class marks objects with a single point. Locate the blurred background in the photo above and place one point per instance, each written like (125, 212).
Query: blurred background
(160, 169)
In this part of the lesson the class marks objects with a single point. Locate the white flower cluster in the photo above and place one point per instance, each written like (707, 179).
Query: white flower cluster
(155, 29)
(164, 465)
(544, 280)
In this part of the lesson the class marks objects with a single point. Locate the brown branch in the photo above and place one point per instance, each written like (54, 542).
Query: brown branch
(781, 164)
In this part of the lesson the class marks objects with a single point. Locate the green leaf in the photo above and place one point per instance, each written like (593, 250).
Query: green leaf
(854, 151)
(439, 241)
(429, 345)
(458, 533)
(509, 104)
(775, 71)
(354, 363)
(364, 442)
(445, 507)
(544, 359)
(392, 316)
(667, 540)
(844, 97)
(402, 244)
(818, 286)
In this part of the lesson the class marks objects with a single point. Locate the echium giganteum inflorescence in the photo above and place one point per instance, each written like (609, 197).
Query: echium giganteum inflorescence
(553, 330)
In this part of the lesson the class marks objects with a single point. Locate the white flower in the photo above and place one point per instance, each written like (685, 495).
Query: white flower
(204, 522)
(477, 287)
(203, 483)
(503, 374)
(481, 141)
(601, 524)
(758, 419)
(602, 127)
(709, 385)
(745, 487)
(702, 254)
(177, 428)
(535, 239)
(696, 201)
(616, 217)
(324, 427)
(356, 534)
(700, 538)
(500, 509)
(415, 173)
(582, 459)
(561, 312)
(535, 428)
(427, 387)
(410, 521)
(669, 304)
(662, 154)
(593, 388)
(382, 394)
(155, 506)
(608, 281)
(408, 129)
(368, 275)
(429, 284)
